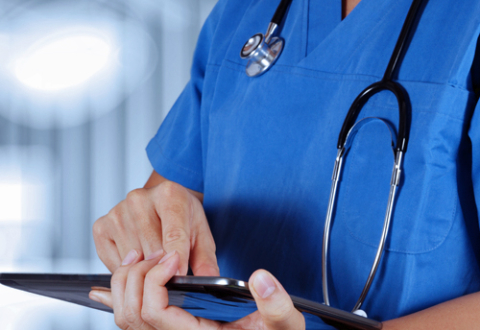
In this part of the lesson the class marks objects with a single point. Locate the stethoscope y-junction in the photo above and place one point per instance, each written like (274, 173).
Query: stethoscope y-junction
(262, 52)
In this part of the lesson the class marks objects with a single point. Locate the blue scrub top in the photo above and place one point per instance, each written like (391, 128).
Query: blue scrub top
(262, 150)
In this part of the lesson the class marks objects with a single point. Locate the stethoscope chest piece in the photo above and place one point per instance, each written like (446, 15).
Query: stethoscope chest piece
(261, 53)
(263, 50)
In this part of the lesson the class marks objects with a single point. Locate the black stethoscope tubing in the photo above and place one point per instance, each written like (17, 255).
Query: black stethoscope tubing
(262, 52)
(387, 84)
(404, 107)
(281, 12)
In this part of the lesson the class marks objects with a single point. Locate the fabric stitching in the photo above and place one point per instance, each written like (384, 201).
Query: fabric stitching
(447, 232)
(277, 67)
(305, 29)
(363, 241)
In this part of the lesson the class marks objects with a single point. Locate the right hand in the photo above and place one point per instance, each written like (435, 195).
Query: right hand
(139, 299)
(154, 221)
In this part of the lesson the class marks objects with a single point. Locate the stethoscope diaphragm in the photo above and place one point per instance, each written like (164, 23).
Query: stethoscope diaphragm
(261, 54)
(263, 50)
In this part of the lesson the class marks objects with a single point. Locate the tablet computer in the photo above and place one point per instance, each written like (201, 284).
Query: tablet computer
(215, 298)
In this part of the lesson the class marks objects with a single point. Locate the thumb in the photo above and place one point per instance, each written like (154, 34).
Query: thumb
(274, 304)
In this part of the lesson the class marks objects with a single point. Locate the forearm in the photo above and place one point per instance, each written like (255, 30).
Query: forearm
(460, 313)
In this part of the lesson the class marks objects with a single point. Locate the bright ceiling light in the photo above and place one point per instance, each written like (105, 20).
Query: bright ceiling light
(63, 62)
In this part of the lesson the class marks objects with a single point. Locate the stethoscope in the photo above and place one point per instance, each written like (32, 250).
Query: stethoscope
(262, 51)
(262, 55)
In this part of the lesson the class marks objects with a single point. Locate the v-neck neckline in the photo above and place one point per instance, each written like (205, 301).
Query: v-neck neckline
(325, 19)
(364, 23)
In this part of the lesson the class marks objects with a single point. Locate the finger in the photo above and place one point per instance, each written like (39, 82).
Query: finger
(174, 206)
(106, 248)
(148, 228)
(251, 321)
(123, 227)
(156, 311)
(108, 253)
(103, 297)
(274, 304)
(133, 300)
(203, 260)
(113, 236)
(118, 283)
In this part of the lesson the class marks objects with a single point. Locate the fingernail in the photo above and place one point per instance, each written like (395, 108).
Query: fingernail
(131, 256)
(177, 273)
(166, 257)
(155, 255)
(94, 297)
(264, 285)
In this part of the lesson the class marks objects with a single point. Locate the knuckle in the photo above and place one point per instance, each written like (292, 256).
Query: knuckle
(149, 314)
(173, 200)
(115, 216)
(176, 234)
(150, 277)
(120, 321)
(171, 191)
(131, 313)
(135, 272)
(118, 279)
(206, 235)
(280, 313)
(136, 198)
(98, 229)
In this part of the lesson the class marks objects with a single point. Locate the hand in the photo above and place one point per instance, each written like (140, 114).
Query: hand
(165, 217)
(140, 300)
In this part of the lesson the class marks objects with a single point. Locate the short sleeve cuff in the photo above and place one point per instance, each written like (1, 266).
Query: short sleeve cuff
(170, 170)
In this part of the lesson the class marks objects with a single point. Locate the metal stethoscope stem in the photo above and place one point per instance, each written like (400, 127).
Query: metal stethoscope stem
(395, 180)
(263, 50)
(347, 134)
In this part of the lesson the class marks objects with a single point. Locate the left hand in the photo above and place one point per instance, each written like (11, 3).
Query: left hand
(140, 300)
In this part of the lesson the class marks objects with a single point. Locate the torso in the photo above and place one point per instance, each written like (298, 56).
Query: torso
(269, 144)
(268, 185)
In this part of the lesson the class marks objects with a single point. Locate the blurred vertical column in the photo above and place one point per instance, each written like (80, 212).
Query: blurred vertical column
(69, 153)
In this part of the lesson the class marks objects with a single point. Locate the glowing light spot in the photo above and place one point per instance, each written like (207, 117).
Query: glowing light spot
(63, 63)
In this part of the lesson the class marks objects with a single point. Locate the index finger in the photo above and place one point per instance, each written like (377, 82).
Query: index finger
(157, 312)
(175, 208)
(102, 296)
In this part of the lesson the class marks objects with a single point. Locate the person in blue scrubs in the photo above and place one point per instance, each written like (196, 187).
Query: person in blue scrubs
(254, 156)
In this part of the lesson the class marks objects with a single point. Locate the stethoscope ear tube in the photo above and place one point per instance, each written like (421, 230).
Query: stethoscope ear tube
(387, 84)
(344, 142)
(394, 182)
(362, 99)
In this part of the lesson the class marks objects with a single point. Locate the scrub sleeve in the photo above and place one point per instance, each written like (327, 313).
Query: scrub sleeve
(175, 151)
(182, 164)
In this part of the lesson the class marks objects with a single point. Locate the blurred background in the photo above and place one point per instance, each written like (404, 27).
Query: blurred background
(84, 85)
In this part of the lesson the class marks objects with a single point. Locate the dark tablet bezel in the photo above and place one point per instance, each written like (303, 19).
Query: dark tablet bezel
(226, 289)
